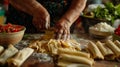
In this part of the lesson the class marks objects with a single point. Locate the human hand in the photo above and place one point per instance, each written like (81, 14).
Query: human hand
(62, 30)
(41, 20)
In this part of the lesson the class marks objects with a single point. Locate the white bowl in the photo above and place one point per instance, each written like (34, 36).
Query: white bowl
(99, 34)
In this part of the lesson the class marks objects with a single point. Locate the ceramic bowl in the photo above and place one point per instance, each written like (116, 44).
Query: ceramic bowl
(88, 22)
(11, 38)
(99, 34)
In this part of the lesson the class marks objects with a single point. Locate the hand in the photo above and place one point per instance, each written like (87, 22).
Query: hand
(62, 30)
(41, 20)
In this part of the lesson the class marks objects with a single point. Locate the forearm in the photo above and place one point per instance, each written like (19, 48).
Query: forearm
(74, 11)
(27, 6)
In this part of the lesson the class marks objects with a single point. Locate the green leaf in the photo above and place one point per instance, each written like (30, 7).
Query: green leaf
(109, 5)
(117, 9)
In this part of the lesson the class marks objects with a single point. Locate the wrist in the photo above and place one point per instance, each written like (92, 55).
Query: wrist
(64, 21)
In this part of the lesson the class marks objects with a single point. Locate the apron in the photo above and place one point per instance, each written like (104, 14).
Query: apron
(56, 8)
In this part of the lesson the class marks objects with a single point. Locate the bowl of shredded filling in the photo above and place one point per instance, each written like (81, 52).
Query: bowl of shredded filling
(11, 34)
(101, 30)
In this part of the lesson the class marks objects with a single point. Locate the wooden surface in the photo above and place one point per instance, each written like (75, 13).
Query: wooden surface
(107, 64)
(33, 63)
(82, 38)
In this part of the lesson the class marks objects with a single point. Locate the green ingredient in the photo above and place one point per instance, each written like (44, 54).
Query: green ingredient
(110, 12)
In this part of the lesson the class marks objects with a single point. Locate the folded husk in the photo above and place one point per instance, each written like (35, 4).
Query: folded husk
(20, 57)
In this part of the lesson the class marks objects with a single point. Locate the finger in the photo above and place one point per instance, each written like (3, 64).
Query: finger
(64, 37)
(43, 23)
(68, 35)
(47, 24)
(59, 34)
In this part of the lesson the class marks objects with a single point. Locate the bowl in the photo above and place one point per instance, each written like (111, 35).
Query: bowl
(12, 38)
(99, 34)
(88, 22)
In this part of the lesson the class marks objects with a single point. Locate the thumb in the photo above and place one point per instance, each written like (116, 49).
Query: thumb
(47, 25)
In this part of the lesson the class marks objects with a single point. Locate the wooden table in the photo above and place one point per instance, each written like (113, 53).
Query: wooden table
(107, 64)
(82, 38)
(29, 63)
